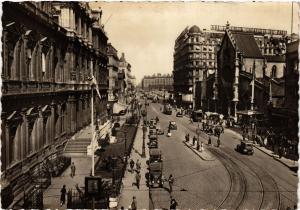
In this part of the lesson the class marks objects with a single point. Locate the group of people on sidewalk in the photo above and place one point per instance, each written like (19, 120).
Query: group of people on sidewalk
(137, 171)
(63, 191)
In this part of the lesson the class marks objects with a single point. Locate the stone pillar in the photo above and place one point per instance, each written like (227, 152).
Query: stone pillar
(7, 143)
(72, 113)
(40, 130)
(52, 123)
(79, 114)
(24, 136)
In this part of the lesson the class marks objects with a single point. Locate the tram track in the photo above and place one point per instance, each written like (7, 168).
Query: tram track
(244, 174)
(270, 194)
(238, 184)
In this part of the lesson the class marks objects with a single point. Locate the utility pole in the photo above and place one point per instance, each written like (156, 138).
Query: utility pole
(253, 85)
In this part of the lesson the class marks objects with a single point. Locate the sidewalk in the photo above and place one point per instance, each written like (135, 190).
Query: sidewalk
(128, 189)
(83, 168)
(291, 164)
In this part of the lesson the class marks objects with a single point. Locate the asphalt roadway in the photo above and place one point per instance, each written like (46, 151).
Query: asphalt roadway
(230, 181)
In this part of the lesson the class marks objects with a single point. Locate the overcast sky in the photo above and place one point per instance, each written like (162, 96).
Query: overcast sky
(146, 32)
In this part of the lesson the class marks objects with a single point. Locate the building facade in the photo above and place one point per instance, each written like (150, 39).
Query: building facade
(126, 79)
(246, 54)
(113, 67)
(158, 82)
(49, 51)
(194, 58)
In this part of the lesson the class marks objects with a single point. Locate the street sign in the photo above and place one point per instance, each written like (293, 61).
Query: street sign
(198, 131)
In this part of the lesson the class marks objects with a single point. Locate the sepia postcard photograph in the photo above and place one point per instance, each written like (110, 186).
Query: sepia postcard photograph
(149, 105)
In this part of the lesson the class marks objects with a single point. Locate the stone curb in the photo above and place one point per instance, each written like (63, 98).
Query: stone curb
(197, 153)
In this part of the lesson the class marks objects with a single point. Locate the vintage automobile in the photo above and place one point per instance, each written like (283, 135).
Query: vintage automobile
(155, 155)
(197, 115)
(152, 132)
(153, 144)
(172, 125)
(245, 148)
(167, 109)
(179, 114)
(152, 137)
(156, 178)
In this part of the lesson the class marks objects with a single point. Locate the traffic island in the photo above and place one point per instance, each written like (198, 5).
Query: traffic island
(204, 154)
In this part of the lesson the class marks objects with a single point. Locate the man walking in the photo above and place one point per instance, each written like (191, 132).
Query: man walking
(138, 179)
(63, 192)
(171, 182)
(133, 205)
(73, 169)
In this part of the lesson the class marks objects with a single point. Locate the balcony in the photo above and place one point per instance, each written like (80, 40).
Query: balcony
(11, 87)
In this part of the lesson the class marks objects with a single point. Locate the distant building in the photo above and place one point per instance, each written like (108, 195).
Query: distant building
(158, 82)
(126, 79)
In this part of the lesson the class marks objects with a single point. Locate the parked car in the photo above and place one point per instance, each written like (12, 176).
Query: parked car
(179, 114)
(245, 148)
(152, 132)
(172, 125)
(156, 178)
(153, 144)
(155, 155)
(152, 137)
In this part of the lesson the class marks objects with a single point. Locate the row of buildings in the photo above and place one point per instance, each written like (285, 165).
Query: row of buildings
(214, 70)
(50, 52)
(157, 82)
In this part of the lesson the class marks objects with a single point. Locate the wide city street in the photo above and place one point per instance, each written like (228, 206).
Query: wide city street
(229, 180)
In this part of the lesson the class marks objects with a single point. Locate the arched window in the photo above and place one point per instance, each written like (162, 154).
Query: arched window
(274, 72)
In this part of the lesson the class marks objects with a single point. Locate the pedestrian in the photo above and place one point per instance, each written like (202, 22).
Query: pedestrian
(63, 192)
(280, 152)
(73, 169)
(131, 163)
(194, 140)
(138, 179)
(138, 165)
(191, 119)
(187, 137)
(173, 204)
(171, 182)
(133, 205)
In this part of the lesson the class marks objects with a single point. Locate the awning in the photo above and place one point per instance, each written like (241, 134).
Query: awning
(117, 107)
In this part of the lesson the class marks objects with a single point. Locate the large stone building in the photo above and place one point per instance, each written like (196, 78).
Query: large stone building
(158, 82)
(241, 51)
(49, 51)
(113, 68)
(194, 57)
